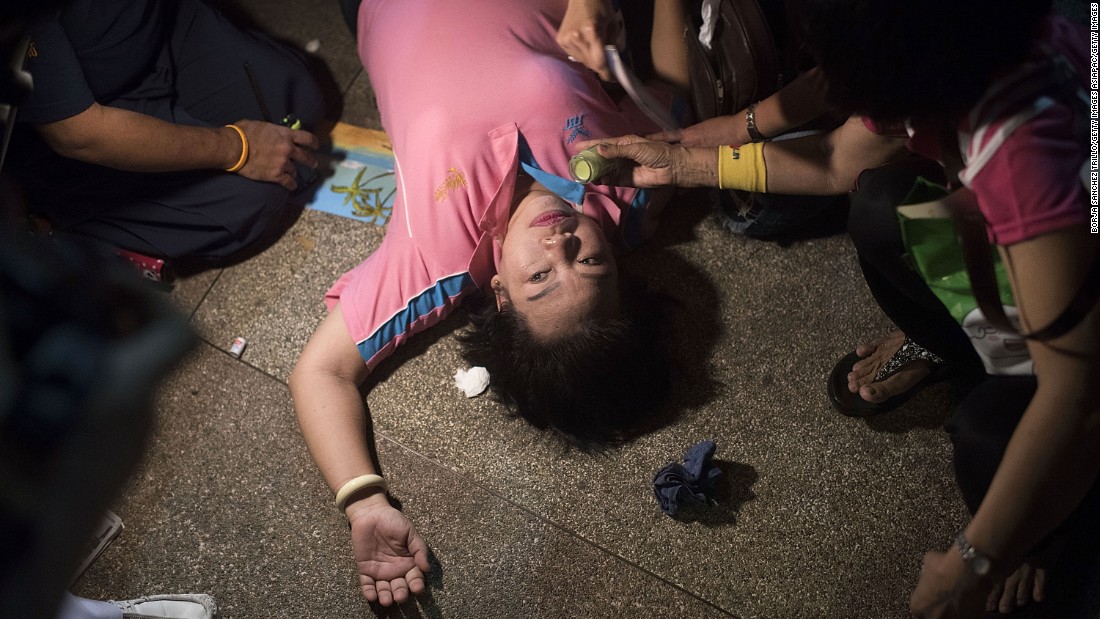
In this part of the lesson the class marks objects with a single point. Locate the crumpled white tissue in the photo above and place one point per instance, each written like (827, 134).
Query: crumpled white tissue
(473, 381)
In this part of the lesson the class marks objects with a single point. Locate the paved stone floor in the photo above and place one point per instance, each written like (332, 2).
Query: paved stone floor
(823, 516)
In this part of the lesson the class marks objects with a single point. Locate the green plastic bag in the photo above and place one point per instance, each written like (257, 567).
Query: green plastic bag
(933, 251)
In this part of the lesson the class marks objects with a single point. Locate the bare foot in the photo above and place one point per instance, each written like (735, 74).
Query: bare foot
(1028, 583)
(874, 355)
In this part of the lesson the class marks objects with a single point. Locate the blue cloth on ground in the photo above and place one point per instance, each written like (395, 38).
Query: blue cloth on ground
(689, 484)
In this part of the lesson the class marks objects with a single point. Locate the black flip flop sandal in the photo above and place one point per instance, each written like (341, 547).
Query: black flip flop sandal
(852, 405)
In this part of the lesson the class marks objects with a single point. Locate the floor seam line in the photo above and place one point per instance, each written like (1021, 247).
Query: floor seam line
(556, 525)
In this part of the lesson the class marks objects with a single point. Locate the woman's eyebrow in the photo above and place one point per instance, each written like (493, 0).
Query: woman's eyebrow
(545, 291)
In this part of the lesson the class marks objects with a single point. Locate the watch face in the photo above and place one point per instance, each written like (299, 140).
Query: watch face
(980, 564)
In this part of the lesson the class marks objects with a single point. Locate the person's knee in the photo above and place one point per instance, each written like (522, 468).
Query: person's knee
(264, 208)
(266, 197)
(989, 413)
(969, 426)
(872, 218)
(246, 217)
(308, 97)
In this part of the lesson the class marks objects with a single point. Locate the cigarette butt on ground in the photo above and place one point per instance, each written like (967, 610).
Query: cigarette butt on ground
(237, 347)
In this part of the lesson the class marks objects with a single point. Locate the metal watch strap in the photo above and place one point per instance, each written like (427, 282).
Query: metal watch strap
(750, 123)
(976, 561)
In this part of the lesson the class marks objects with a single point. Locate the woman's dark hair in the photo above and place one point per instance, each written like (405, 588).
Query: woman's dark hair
(598, 386)
(897, 59)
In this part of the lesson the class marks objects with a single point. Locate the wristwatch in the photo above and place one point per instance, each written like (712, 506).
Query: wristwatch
(750, 124)
(977, 562)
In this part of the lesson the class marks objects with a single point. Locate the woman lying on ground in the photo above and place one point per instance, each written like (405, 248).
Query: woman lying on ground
(960, 79)
(482, 108)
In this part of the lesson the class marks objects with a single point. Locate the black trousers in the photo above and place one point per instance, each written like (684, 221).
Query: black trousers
(991, 406)
(198, 80)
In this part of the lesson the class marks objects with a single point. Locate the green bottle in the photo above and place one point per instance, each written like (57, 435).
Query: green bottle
(588, 165)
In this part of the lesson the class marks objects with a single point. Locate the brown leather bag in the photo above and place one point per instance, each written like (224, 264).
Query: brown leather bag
(743, 64)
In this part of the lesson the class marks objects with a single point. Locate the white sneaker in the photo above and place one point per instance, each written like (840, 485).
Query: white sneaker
(178, 606)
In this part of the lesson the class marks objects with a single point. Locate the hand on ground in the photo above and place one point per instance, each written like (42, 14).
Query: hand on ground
(946, 589)
(873, 356)
(391, 556)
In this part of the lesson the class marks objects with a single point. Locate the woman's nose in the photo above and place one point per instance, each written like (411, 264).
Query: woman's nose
(562, 241)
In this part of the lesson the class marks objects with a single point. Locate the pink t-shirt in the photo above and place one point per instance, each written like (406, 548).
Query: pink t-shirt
(1023, 152)
(467, 90)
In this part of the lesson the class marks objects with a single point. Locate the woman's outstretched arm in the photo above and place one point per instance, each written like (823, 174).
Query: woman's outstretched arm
(390, 555)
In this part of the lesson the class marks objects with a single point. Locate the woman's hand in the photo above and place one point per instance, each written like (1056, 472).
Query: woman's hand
(947, 589)
(653, 162)
(272, 151)
(648, 163)
(584, 28)
(391, 556)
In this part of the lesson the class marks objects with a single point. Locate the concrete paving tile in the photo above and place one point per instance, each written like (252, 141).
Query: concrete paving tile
(187, 293)
(227, 502)
(276, 299)
(360, 107)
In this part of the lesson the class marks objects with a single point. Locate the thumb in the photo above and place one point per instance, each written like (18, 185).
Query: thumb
(420, 553)
(605, 149)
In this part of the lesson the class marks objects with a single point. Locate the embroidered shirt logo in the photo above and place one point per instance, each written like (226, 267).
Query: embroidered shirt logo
(575, 127)
(32, 51)
(454, 180)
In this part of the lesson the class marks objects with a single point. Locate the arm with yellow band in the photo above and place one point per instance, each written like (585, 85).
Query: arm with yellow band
(742, 167)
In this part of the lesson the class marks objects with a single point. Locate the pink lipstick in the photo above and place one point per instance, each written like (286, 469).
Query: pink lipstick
(549, 218)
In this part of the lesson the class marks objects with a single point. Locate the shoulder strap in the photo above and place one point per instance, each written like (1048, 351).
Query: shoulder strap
(977, 253)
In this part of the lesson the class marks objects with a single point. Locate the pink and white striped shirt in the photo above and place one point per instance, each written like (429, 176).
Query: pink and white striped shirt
(1024, 157)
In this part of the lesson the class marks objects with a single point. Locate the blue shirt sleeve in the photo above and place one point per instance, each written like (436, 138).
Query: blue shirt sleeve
(60, 88)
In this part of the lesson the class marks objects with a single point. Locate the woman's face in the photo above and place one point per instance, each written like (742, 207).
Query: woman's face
(556, 268)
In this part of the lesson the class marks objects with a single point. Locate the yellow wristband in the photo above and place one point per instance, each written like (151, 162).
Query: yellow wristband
(244, 150)
(352, 486)
(742, 167)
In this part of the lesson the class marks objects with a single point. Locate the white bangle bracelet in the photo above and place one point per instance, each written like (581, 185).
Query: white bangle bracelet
(355, 485)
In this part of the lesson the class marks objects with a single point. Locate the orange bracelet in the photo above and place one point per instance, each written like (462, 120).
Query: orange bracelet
(244, 150)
